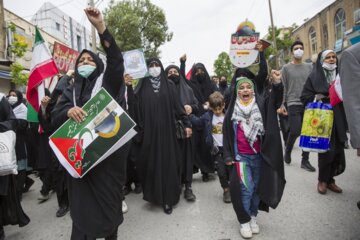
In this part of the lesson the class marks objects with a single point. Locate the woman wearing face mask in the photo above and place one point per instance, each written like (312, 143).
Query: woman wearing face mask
(190, 105)
(15, 99)
(157, 109)
(11, 211)
(202, 87)
(331, 163)
(96, 199)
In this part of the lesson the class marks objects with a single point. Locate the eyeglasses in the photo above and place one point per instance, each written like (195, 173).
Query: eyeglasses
(328, 57)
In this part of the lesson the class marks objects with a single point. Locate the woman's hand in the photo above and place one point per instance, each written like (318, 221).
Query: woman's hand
(188, 132)
(96, 19)
(188, 109)
(77, 114)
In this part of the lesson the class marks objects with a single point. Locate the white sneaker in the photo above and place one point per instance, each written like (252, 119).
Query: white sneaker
(254, 226)
(245, 230)
(124, 207)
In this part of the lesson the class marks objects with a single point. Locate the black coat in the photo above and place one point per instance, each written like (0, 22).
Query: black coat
(158, 160)
(11, 211)
(272, 178)
(95, 200)
(317, 84)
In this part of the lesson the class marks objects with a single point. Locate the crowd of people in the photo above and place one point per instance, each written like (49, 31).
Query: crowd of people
(183, 126)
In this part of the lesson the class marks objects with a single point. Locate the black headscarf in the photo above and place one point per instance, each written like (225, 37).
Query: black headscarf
(161, 77)
(19, 97)
(83, 86)
(185, 91)
(203, 89)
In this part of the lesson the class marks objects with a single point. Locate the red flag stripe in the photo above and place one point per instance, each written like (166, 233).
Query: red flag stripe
(39, 73)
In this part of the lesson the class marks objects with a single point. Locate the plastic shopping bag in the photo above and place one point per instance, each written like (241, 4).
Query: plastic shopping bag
(317, 127)
(7, 153)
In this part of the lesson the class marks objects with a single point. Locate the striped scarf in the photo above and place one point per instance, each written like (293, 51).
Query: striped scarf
(250, 119)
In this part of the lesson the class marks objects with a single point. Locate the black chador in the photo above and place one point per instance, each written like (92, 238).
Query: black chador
(157, 109)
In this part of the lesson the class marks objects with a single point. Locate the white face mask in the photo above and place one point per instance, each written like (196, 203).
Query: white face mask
(298, 53)
(12, 100)
(154, 71)
(329, 66)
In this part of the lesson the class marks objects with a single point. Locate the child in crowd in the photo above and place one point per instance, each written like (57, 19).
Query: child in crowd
(212, 122)
(252, 143)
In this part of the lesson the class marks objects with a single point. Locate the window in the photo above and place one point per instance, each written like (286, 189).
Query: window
(340, 24)
(325, 37)
(312, 38)
(78, 40)
(57, 26)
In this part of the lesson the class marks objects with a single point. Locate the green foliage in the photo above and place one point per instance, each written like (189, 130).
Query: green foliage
(138, 24)
(283, 41)
(16, 71)
(223, 66)
(18, 48)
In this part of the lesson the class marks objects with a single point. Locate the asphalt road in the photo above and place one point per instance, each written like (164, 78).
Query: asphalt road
(302, 213)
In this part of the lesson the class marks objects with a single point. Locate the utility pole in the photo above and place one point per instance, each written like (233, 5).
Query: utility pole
(273, 36)
(93, 31)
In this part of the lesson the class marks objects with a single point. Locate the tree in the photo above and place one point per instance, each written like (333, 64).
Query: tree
(283, 42)
(18, 48)
(223, 66)
(138, 24)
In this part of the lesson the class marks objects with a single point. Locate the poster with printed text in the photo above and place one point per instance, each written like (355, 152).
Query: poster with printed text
(81, 146)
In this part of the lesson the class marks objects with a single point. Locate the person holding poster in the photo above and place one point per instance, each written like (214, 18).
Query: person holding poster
(331, 163)
(158, 108)
(96, 199)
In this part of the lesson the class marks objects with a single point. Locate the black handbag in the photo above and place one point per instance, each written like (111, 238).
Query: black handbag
(180, 130)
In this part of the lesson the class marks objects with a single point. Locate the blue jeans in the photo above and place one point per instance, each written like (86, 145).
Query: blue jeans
(250, 198)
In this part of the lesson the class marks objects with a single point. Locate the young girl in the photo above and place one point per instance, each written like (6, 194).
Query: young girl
(252, 143)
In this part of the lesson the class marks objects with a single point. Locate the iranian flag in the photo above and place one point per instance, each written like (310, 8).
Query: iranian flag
(42, 67)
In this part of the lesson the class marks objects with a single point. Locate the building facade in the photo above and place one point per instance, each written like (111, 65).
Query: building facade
(24, 31)
(329, 28)
(54, 21)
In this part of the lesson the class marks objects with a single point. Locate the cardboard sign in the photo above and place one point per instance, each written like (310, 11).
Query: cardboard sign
(135, 64)
(242, 45)
(81, 146)
(64, 57)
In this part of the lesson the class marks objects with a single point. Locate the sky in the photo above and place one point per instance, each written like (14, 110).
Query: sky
(201, 28)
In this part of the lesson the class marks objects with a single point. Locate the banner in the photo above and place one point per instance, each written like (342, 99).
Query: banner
(81, 146)
(242, 46)
(64, 57)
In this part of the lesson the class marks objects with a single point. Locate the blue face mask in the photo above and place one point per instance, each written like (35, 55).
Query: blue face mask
(86, 70)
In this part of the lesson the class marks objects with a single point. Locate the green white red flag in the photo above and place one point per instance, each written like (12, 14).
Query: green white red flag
(42, 67)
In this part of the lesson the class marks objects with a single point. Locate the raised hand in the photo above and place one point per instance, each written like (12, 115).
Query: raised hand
(183, 58)
(96, 19)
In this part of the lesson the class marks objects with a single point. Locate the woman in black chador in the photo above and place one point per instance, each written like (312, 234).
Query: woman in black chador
(11, 211)
(157, 109)
(190, 105)
(331, 163)
(96, 199)
(202, 87)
